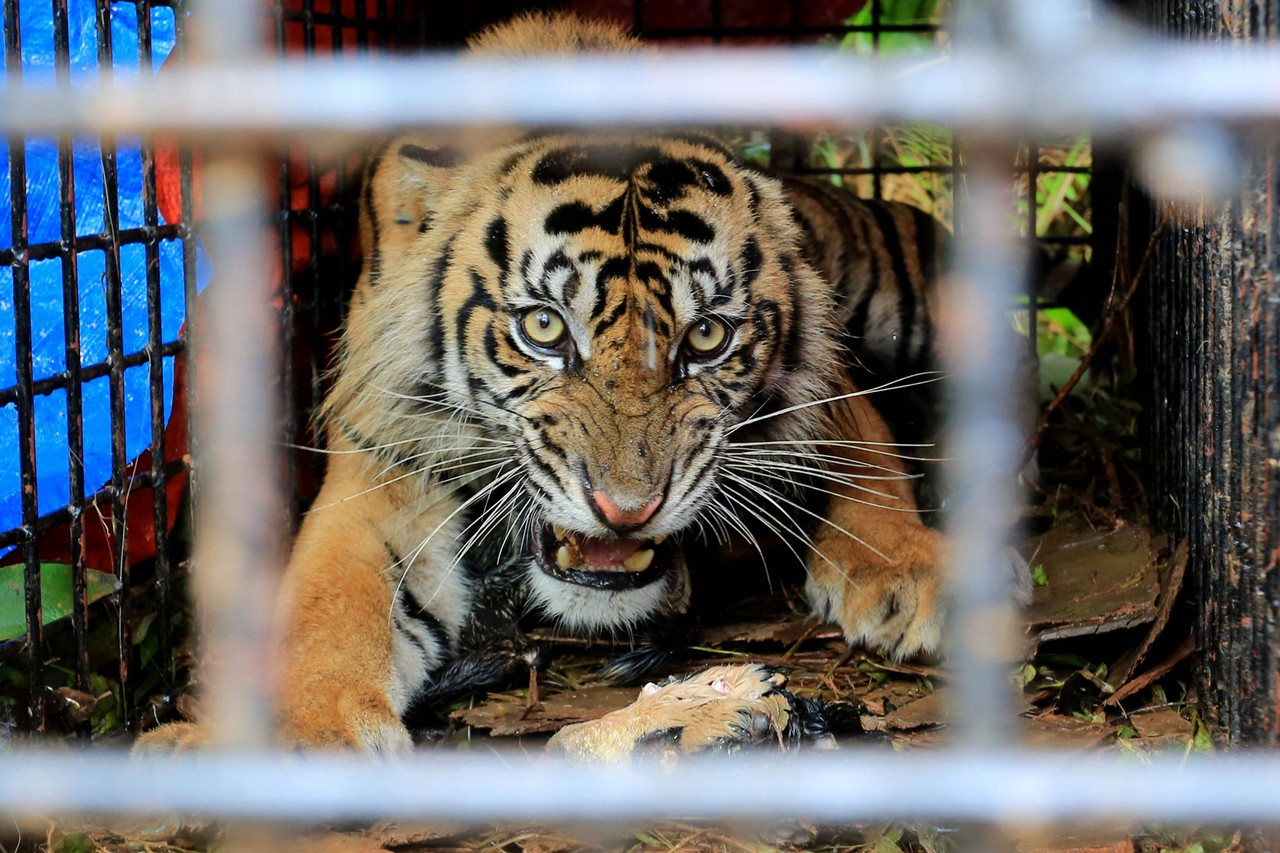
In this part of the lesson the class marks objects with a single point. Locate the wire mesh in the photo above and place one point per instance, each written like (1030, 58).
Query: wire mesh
(91, 532)
(129, 513)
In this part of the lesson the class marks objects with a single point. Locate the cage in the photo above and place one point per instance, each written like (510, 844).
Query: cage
(62, 513)
(99, 551)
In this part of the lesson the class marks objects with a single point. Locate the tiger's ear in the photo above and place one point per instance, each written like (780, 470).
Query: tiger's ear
(402, 186)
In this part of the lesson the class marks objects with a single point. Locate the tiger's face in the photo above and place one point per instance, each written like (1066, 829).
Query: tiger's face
(620, 311)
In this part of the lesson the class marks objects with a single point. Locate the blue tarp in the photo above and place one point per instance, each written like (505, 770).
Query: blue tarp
(44, 225)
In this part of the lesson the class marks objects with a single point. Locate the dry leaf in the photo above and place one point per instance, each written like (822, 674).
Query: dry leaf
(510, 716)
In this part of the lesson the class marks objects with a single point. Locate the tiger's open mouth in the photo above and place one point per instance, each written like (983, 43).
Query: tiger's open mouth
(602, 563)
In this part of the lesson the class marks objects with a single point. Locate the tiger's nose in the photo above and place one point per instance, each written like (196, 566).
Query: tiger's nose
(623, 520)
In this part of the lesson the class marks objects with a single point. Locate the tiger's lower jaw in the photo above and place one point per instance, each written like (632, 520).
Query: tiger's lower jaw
(577, 602)
(613, 565)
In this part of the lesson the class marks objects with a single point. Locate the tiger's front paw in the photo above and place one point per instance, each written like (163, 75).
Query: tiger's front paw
(893, 605)
(171, 737)
(360, 719)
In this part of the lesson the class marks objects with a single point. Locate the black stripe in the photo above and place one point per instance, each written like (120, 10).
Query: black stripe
(906, 295)
(443, 157)
(479, 298)
(571, 218)
(650, 273)
(435, 332)
(835, 204)
(414, 610)
(927, 247)
(413, 638)
(517, 392)
(661, 251)
(791, 355)
(688, 225)
(666, 180)
(615, 162)
(575, 217)
(754, 198)
(363, 444)
(371, 212)
(543, 466)
(613, 316)
(556, 450)
(751, 261)
(491, 351)
(495, 243)
(713, 178)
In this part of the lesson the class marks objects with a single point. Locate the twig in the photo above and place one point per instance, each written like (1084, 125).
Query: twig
(1115, 308)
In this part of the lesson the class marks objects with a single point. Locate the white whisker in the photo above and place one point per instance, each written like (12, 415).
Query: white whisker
(769, 495)
(412, 558)
(898, 384)
(844, 497)
(843, 477)
(781, 527)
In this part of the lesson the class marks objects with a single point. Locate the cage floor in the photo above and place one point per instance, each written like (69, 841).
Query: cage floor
(1102, 675)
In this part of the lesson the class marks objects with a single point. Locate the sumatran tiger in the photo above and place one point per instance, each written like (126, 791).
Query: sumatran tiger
(567, 353)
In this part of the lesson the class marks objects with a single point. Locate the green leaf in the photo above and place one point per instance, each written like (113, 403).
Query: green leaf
(1202, 740)
(77, 842)
(1038, 576)
(55, 595)
(886, 844)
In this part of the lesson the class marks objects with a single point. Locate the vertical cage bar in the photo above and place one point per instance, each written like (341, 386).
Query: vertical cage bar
(284, 219)
(115, 359)
(362, 26)
(984, 435)
(395, 34)
(187, 233)
(873, 135)
(311, 217)
(1033, 213)
(984, 446)
(155, 361)
(71, 350)
(25, 401)
(238, 534)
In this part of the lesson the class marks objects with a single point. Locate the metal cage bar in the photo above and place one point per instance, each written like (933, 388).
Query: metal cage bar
(990, 98)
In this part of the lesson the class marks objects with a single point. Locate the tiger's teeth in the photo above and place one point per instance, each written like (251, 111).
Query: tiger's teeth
(559, 532)
(660, 539)
(563, 559)
(639, 561)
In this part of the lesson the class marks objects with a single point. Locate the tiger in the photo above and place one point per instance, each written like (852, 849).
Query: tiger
(567, 353)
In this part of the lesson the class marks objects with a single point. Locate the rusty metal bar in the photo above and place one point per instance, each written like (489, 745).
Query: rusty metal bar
(23, 368)
(71, 351)
(239, 537)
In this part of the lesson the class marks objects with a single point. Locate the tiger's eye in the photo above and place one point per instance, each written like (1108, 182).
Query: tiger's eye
(707, 336)
(544, 327)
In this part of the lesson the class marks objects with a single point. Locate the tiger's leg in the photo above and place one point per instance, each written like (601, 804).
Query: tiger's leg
(370, 608)
(336, 661)
(877, 570)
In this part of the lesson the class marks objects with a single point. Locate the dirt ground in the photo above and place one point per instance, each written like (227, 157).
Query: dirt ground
(1104, 674)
